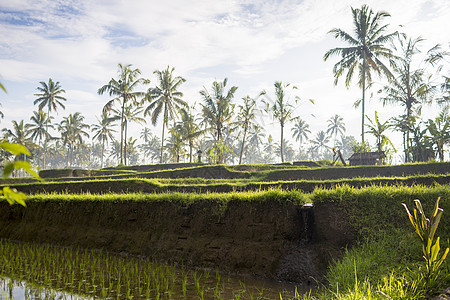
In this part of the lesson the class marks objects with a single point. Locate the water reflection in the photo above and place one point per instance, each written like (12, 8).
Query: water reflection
(18, 290)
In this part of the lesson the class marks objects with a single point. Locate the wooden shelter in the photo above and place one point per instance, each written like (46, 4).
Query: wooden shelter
(367, 158)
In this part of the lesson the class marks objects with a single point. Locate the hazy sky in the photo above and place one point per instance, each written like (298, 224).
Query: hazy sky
(252, 43)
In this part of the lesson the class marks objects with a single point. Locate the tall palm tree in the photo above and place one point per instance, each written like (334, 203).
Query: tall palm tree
(366, 51)
(124, 92)
(281, 110)
(409, 88)
(72, 130)
(217, 112)
(37, 128)
(103, 132)
(336, 126)
(129, 114)
(166, 99)
(300, 131)
(49, 96)
(246, 119)
(378, 130)
(189, 129)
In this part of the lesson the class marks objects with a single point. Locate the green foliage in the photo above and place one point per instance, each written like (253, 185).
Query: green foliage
(426, 229)
(12, 195)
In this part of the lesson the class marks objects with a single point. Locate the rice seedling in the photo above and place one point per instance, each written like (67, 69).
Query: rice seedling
(98, 274)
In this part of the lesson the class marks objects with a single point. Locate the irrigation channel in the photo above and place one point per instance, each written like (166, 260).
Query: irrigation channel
(42, 271)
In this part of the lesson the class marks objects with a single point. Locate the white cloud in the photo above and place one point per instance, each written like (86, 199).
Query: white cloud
(253, 43)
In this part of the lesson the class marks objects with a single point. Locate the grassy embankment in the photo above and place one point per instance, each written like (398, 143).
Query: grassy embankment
(384, 262)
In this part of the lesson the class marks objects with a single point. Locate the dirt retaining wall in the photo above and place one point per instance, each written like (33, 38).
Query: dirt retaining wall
(286, 241)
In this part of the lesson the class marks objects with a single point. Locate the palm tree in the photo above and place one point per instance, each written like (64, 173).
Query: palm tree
(189, 129)
(18, 135)
(409, 88)
(281, 110)
(103, 132)
(72, 133)
(37, 128)
(245, 119)
(50, 97)
(321, 141)
(439, 130)
(269, 148)
(129, 114)
(378, 129)
(367, 48)
(151, 147)
(124, 91)
(146, 134)
(217, 112)
(300, 131)
(336, 126)
(165, 98)
(175, 145)
(131, 151)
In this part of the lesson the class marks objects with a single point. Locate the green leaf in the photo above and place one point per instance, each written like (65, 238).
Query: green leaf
(13, 196)
(27, 167)
(15, 149)
(7, 170)
(439, 263)
(435, 251)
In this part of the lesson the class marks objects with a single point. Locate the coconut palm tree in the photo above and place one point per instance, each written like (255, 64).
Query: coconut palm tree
(336, 126)
(124, 92)
(378, 130)
(300, 131)
(151, 147)
(246, 119)
(166, 99)
(320, 142)
(410, 87)
(366, 51)
(146, 134)
(129, 114)
(18, 135)
(189, 129)
(72, 130)
(49, 97)
(281, 109)
(439, 130)
(38, 127)
(103, 131)
(217, 112)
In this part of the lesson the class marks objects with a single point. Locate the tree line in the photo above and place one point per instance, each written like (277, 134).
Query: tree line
(223, 130)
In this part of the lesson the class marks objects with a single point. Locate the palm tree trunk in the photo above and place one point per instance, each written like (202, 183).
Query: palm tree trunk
(408, 116)
(162, 142)
(101, 160)
(190, 151)
(282, 143)
(46, 136)
(242, 146)
(363, 99)
(121, 130)
(125, 126)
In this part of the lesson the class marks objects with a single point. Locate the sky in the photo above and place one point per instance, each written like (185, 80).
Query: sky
(252, 43)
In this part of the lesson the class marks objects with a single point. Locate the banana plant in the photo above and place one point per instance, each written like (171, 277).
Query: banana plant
(426, 229)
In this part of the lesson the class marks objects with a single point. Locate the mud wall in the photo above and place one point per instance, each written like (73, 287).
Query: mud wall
(286, 241)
